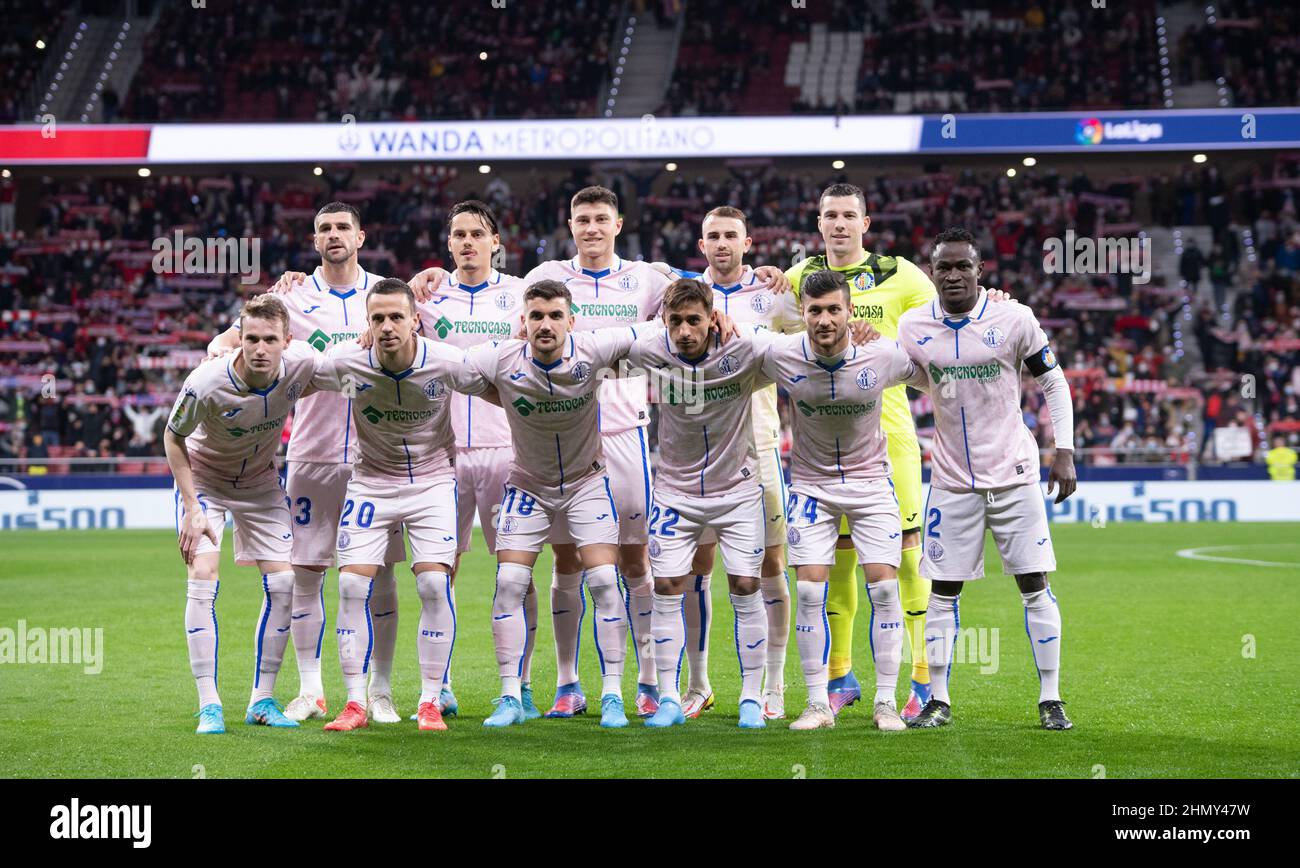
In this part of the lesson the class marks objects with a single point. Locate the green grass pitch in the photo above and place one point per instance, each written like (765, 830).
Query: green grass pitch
(1172, 668)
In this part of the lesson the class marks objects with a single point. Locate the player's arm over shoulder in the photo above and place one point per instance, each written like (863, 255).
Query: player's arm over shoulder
(900, 368)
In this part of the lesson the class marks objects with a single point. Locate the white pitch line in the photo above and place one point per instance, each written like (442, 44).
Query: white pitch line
(1195, 554)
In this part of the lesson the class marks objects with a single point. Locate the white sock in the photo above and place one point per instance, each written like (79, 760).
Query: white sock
(437, 631)
(1043, 624)
(609, 616)
(813, 636)
(698, 611)
(776, 600)
(568, 605)
(354, 633)
(639, 604)
(383, 619)
(530, 621)
(308, 628)
(751, 642)
(272, 632)
(942, 621)
(509, 627)
(201, 637)
(668, 629)
(886, 635)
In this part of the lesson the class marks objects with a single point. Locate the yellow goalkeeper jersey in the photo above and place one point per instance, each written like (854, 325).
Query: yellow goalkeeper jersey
(882, 288)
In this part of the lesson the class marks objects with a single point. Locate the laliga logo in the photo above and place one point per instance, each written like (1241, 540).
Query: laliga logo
(1092, 131)
(1089, 132)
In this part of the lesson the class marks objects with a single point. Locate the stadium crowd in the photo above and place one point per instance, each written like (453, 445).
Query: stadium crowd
(373, 59)
(93, 340)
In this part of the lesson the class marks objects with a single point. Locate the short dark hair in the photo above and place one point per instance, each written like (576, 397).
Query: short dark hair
(392, 286)
(823, 283)
(335, 208)
(594, 194)
(727, 211)
(843, 190)
(685, 291)
(478, 209)
(548, 290)
(956, 235)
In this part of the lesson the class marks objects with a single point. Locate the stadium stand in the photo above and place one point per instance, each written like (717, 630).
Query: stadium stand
(891, 56)
(373, 60)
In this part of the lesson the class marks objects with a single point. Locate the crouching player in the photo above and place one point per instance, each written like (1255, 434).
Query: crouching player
(708, 479)
(548, 385)
(220, 444)
(405, 475)
(840, 468)
(985, 463)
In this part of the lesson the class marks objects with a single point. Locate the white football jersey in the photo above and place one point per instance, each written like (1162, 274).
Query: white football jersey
(466, 316)
(324, 316)
(232, 431)
(403, 418)
(625, 294)
(552, 407)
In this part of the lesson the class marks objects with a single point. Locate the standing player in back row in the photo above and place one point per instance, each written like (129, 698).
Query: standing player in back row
(985, 463)
(328, 308)
(882, 287)
(473, 305)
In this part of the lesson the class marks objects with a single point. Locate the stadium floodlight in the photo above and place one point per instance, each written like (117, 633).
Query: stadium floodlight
(40, 45)
(484, 169)
(1030, 161)
(318, 171)
(1011, 173)
(143, 172)
(5, 173)
(672, 167)
(1199, 158)
(837, 165)
(482, 55)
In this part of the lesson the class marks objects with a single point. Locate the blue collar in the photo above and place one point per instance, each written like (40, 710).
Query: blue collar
(604, 272)
(423, 356)
(956, 325)
(241, 386)
(549, 366)
(343, 296)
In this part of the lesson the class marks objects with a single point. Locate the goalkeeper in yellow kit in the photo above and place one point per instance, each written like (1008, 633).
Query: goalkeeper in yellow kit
(883, 288)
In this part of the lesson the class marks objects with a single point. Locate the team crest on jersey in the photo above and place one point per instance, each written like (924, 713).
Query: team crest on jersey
(792, 536)
(294, 392)
(993, 337)
(934, 551)
(504, 301)
(862, 282)
(344, 539)
(729, 364)
(761, 303)
(581, 371)
(509, 525)
(434, 389)
(628, 282)
(866, 379)
(655, 548)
